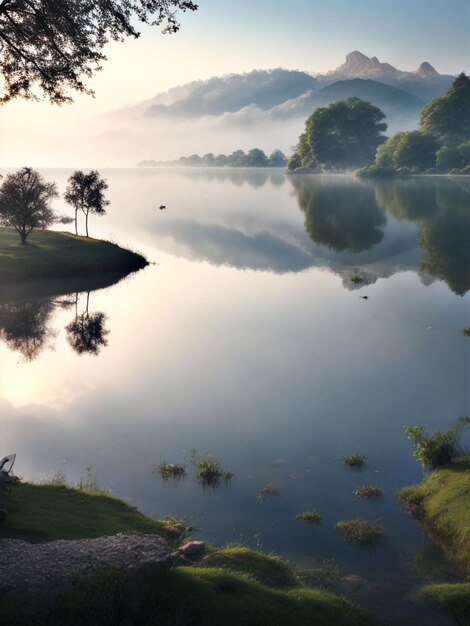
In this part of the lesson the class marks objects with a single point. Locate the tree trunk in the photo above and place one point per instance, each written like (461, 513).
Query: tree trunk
(86, 223)
(76, 227)
(23, 238)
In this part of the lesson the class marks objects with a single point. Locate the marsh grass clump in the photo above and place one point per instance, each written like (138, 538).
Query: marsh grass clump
(436, 450)
(369, 492)
(209, 472)
(90, 483)
(174, 471)
(309, 517)
(360, 532)
(178, 529)
(354, 460)
(268, 490)
(466, 331)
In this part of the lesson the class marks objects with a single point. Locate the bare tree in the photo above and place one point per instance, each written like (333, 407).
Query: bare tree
(25, 198)
(85, 192)
(53, 45)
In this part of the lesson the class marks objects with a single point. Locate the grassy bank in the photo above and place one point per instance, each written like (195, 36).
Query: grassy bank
(232, 586)
(47, 512)
(49, 254)
(441, 504)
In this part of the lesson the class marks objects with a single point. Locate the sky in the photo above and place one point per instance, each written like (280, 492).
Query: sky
(227, 36)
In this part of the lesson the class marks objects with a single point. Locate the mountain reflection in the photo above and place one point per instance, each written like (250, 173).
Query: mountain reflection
(27, 322)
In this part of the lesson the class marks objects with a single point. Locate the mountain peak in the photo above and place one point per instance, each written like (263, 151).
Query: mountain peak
(425, 70)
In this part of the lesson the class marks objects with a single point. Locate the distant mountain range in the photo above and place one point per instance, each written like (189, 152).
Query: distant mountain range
(425, 82)
(287, 93)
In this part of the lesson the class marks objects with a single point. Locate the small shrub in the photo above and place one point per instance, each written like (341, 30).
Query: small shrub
(370, 492)
(268, 490)
(436, 450)
(360, 532)
(170, 470)
(354, 460)
(209, 472)
(309, 517)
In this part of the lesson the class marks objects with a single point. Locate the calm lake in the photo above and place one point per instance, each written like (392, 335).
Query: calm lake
(249, 338)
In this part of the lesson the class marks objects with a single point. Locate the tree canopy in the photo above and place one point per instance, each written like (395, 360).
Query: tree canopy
(341, 136)
(85, 192)
(51, 47)
(448, 117)
(25, 198)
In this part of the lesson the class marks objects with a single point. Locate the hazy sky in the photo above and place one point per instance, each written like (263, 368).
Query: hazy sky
(226, 36)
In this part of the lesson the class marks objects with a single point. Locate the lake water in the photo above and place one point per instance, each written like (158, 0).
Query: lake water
(248, 338)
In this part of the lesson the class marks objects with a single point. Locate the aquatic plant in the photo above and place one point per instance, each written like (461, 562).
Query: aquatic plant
(466, 331)
(439, 449)
(360, 532)
(268, 490)
(170, 470)
(209, 472)
(354, 460)
(309, 517)
(370, 492)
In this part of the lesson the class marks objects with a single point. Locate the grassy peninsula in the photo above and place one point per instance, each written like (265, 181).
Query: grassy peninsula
(51, 254)
(442, 505)
(232, 586)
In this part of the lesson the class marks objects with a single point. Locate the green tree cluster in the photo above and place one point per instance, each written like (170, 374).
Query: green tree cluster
(441, 145)
(344, 135)
(252, 158)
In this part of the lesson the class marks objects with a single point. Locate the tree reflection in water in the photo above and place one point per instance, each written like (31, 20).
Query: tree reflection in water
(341, 214)
(87, 332)
(441, 208)
(25, 328)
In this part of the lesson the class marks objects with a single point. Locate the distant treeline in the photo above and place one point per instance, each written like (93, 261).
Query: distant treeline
(239, 158)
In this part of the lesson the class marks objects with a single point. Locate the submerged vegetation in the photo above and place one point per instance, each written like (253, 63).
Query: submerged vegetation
(369, 492)
(360, 532)
(354, 460)
(309, 517)
(209, 472)
(436, 450)
(268, 490)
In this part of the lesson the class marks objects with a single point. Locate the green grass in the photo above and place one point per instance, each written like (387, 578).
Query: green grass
(451, 598)
(268, 570)
(231, 586)
(46, 512)
(309, 517)
(51, 254)
(193, 596)
(442, 504)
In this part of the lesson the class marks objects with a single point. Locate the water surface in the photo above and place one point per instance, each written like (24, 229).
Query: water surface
(249, 338)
